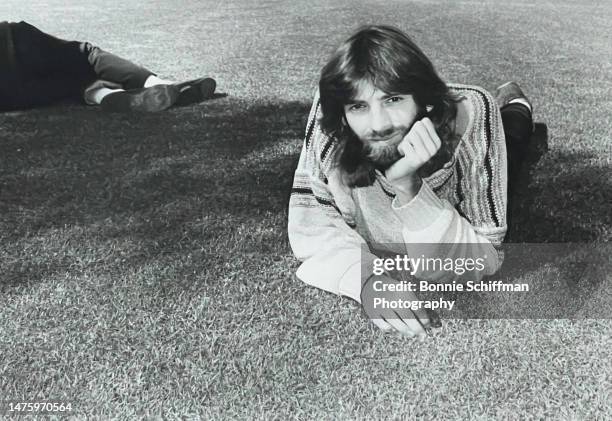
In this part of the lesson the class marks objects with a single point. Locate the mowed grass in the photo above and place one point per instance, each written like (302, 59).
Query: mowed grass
(145, 269)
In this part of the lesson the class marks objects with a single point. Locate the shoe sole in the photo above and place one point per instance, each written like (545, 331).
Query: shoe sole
(153, 99)
(195, 91)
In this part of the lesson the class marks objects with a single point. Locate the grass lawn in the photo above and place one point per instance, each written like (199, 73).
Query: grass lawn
(145, 269)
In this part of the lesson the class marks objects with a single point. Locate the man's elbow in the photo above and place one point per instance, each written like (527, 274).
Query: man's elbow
(299, 242)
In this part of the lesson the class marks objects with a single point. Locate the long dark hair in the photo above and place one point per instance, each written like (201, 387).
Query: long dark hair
(393, 63)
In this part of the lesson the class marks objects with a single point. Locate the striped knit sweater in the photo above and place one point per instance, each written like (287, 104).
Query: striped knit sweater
(463, 203)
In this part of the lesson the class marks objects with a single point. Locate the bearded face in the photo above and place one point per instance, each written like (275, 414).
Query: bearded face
(380, 120)
(382, 151)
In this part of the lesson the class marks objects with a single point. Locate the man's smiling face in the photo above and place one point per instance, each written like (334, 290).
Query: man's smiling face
(380, 120)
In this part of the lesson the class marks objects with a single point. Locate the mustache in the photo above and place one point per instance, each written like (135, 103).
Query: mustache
(393, 131)
(386, 134)
(389, 133)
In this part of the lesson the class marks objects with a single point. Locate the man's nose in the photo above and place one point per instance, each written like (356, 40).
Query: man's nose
(380, 121)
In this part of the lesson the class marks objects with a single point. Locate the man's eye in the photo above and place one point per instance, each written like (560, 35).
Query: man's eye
(356, 107)
(395, 99)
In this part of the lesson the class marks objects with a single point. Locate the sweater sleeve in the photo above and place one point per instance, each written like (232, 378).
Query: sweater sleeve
(333, 254)
(476, 227)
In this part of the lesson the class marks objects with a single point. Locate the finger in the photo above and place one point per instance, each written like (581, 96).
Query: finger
(421, 318)
(401, 327)
(382, 324)
(420, 143)
(412, 152)
(410, 325)
(406, 146)
(429, 126)
(406, 328)
(428, 142)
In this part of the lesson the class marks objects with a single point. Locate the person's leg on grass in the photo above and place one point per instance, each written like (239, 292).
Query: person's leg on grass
(110, 67)
(42, 55)
(112, 97)
(45, 69)
(517, 119)
(113, 68)
(51, 69)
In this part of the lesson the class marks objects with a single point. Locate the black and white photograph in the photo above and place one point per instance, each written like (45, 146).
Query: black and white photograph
(279, 210)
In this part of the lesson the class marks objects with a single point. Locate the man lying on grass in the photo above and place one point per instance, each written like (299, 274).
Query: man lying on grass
(38, 69)
(394, 156)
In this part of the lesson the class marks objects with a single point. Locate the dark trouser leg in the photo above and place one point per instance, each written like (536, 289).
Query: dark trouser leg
(50, 69)
(110, 67)
(42, 55)
(42, 92)
(518, 127)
